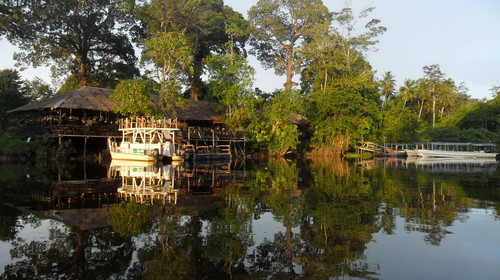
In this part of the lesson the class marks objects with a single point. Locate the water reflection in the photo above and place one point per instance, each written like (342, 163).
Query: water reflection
(449, 165)
(278, 219)
(144, 182)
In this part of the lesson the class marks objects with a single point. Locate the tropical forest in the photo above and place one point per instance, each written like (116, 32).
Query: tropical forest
(184, 165)
(155, 54)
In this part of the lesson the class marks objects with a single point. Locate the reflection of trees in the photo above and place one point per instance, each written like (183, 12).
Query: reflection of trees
(130, 219)
(168, 250)
(178, 247)
(230, 232)
(8, 223)
(279, 257)
(342, 218)
(70, 253)
(327, 213)
(427, 202)
(326, 225)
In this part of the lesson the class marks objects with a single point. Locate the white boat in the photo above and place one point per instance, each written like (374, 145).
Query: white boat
(457, 150)
(412, 153)
(144, 139)
(411, 150)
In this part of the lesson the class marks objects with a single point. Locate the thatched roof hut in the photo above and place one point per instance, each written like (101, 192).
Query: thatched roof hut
(199, 111)
(84, 98)
(97, 99)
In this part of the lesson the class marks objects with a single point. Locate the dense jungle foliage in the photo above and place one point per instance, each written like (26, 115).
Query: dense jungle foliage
(331, 99)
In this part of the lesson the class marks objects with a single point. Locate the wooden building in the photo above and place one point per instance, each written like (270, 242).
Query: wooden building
(87, 113)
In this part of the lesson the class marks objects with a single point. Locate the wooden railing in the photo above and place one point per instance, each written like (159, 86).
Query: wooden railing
(141, 122)
(370, 147)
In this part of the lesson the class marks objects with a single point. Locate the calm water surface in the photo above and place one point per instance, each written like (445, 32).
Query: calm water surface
(385, 219)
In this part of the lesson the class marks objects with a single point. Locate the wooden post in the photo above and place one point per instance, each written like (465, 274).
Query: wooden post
(85, 146)
(84, 155)
(213, 138)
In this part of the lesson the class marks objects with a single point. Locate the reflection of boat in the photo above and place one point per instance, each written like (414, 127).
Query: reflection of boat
(145, 182)
(145, 140)
(445, 165)
(464, 165)
(457, 150)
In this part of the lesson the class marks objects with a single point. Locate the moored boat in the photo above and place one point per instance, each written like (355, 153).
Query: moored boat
(457, 150)
(144, 139)
(412, 153)
(411, 150)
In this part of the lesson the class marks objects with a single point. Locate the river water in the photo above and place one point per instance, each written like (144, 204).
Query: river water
(383, 219)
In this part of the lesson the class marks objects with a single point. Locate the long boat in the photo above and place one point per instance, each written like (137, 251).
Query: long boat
(457, 150)
(144, 139)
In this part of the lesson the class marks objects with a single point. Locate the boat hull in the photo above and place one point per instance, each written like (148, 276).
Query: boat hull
(424, 153)
(134, 157)
(411, 153)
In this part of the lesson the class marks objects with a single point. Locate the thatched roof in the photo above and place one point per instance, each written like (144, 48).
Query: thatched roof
(86, 98)
(199, 111)
(97, 99)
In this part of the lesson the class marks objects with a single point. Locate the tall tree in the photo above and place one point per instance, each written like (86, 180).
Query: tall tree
(423, 94)
(355, 44)
(388, 83)
(230, 81)
(85, 37)
(495, 91)
(203, 23)
(343, 100)
(435, 77)
(11, 94)
(274, 128)
(280, 28)
(37, 90)
(135, 98)
(170, 53)
(407, 91)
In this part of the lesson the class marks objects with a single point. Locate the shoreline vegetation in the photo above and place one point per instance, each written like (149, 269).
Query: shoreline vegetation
(331, 99)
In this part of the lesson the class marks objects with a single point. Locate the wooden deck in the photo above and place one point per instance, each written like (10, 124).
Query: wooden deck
(370, 147)
(379, 150)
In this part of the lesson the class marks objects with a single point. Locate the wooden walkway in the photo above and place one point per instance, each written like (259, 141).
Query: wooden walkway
(370, 147)
(391, 150)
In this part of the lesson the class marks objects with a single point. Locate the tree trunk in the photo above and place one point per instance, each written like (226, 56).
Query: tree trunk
(82, 61)
(421, 108)
(326, 79)
(433, 111)
(289, 72)
(195, 79)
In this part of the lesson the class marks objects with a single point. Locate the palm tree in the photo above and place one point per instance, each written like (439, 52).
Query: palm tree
(387, 84)
(423, 93)
(408, 91)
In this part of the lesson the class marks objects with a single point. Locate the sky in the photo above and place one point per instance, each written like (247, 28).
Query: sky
(462, 36)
